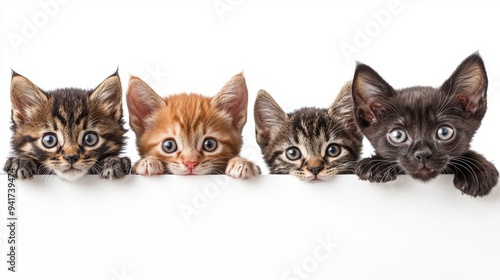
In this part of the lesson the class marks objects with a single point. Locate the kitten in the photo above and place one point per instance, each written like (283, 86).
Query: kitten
(188, 134)
(310, 143)
(69, 132)
(425, 131)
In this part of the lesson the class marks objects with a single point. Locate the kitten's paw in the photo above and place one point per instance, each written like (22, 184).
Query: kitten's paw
(115, 167)
(148, 166)
(241, 168)
(377, 170)
(475, 176)
(21, 167)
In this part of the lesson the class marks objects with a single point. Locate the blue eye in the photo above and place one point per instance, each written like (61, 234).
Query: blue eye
(209, 145)
(333, 150)
(398, 136)
(49, 140)
(445, 133)
(90, 139)
(169, 146)
(293, 153)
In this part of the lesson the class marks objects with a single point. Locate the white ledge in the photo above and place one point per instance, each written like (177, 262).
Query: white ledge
(271, 227)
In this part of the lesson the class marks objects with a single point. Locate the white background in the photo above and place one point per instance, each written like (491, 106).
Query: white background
(293, 49)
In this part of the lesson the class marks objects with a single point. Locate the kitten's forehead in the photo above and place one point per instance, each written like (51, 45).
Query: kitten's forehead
(192, 114)
(69, 106)
(419, 96)
(312, 128)
(189, 119)
(420, 105)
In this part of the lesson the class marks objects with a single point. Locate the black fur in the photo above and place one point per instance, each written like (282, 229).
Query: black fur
(421, 113)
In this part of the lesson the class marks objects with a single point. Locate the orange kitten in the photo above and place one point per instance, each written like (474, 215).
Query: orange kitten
(188, 134)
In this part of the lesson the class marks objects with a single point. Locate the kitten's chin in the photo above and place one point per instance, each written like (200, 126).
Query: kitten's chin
(71, 174)
(425, 174)
(311, 178)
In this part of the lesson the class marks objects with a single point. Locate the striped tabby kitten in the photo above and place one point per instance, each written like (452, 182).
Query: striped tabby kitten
(310, 143)
(190, 134)
(69, 132)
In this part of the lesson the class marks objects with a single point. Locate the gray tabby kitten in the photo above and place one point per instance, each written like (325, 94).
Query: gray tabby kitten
(311, 143)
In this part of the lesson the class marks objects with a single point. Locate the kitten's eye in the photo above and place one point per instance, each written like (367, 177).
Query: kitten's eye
(398, 136)
(49, 140)
(445, 133)
(169, 146)
(209, 145)
(90, 139)
(293, 153)
(333, 150)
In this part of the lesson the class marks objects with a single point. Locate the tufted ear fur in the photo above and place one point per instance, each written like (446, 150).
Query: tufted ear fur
(233, 98)
(142, 102)
(342, 108)
(269, 118)
(370, 93)
(24, 96)
(109, 95)
(468, 85)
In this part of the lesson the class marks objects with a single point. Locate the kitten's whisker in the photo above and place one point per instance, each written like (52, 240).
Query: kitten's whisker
(452, 149)
(472, 162)
(468, 166)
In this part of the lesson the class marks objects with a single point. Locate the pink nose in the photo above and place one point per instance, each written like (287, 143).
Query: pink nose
(191, 164)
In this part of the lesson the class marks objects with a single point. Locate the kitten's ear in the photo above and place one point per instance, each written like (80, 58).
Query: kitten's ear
(269, 118)
(108, 95)
(343, 108)
(24, 96)
(468, 84)
(142, 102)
(233, 98)
(369, 92)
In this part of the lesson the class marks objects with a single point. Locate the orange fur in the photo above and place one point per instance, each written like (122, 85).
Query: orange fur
(189, 120)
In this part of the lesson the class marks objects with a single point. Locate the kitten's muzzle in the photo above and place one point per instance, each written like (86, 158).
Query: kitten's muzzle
(425, 174)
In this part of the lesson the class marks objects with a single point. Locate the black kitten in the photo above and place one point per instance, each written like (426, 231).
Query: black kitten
(425, 131)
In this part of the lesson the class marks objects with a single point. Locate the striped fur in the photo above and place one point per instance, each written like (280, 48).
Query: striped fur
(311, 131)
(69, 115)
(188, 121)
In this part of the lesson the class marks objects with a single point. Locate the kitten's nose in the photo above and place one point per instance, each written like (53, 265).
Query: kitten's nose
(71, 158)
(191, 164)
(315, 169)
(423, 155)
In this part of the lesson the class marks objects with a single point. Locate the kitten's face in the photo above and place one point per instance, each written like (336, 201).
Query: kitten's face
(421, 128)
(310, 143)
(67, 130)
(189, 133)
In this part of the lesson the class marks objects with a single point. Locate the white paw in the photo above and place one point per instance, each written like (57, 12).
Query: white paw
(241, 168)
(148, 167)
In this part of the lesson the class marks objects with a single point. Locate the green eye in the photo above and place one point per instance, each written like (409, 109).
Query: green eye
(398, 136)
(90, 139)
(169, 146)
(293, 153)
(445, 133)
(49, 140)
(209, 145)
(333, 150)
